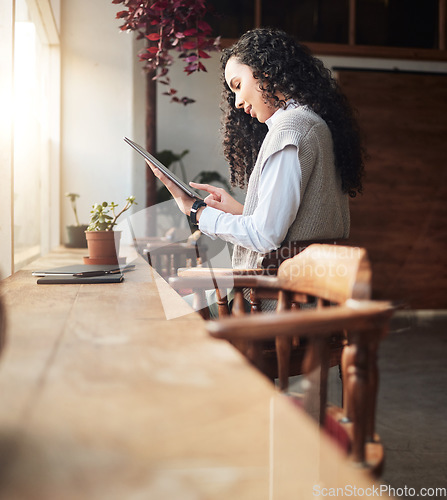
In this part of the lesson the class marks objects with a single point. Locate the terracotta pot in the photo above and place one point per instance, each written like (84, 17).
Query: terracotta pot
(103, 246)
(76, 237)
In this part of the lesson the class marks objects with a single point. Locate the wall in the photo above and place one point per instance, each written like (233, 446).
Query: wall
(97, 109)
(401, 216)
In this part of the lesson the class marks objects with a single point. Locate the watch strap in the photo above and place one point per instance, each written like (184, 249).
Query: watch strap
(195, 207)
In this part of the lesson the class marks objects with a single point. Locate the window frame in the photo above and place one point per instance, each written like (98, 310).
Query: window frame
(353, 49)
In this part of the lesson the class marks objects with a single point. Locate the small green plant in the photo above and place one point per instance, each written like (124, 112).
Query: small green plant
(103, 216)
(72, 197)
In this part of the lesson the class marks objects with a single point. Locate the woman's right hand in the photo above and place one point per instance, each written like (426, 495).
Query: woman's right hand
(219, 198)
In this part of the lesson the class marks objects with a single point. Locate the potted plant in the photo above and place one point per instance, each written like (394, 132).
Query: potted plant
(76, 233)
(102, 241)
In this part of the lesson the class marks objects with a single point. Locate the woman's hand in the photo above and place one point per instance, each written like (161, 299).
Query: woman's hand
(220, 199)
(183, 201)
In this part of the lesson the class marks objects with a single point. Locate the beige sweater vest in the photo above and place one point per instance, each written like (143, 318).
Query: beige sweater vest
(324, 208)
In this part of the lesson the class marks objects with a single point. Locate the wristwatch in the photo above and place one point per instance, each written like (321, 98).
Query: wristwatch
(195, 207)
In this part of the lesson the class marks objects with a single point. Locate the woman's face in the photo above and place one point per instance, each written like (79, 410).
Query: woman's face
(248, 95)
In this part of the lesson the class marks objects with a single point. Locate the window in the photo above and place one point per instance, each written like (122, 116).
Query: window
(324, 21)
(29, 131)
(33, 126)
(232, 17)
(397, 23)
(344, 26)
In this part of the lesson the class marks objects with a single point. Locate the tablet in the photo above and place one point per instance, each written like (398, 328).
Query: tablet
(187, 189)
(83, 270)
(76, 280)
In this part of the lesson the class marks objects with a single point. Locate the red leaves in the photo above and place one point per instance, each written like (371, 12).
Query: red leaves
(179, 26)
(153, 37)
(189, 45)
(160, 5)
(190, 32)
(205, 27)
(191, 58)
(183, 100)
(193, 67)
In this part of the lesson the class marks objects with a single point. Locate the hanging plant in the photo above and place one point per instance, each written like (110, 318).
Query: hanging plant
(170, 25)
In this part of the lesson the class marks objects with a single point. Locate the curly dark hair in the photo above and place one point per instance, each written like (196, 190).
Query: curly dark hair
(282, 65)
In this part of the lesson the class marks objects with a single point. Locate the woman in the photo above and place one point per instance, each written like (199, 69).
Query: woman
(290, 133)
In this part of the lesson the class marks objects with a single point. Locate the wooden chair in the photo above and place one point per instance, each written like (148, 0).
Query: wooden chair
(166, 257)
(340, 279)
(281, 358)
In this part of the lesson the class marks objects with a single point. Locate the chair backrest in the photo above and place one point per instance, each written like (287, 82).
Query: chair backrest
(166, 256)
(267, 266)
(330, 272)
(272, 260)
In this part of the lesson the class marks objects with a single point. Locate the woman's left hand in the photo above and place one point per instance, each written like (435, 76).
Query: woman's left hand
(183, 201)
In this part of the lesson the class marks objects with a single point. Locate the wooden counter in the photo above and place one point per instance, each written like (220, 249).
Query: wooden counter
(103, 398)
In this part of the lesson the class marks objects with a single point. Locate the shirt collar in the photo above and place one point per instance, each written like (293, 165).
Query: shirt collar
(290, 104)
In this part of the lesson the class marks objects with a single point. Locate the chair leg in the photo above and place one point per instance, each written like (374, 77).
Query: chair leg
(373, 383)
(345, 359)
(283, 345)
(200, 304)
(247, 347)
(222, 304)
(340, 376)
(356, 383)
(316, 368)
(283, 348)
